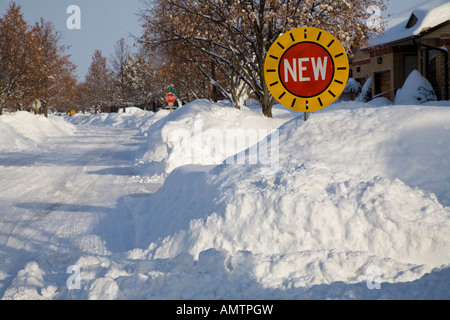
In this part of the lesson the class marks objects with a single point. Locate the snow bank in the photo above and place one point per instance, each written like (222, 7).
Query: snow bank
(133, 118)
(359, 191)
(204, 133)
(23, 130)
(303, 212)
(370, 180)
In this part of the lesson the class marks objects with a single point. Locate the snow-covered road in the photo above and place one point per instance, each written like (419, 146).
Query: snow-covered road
(119, 203)
(60, 201)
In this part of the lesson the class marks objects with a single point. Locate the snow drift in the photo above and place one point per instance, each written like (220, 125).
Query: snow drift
(197, 134)
(133, 118)
(23, 130)
(359, 188)
(370, 180)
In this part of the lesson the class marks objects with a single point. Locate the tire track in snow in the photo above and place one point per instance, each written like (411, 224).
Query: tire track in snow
(61, 210)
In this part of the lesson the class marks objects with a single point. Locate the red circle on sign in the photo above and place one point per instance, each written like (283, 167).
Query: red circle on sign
(170, 98)
(306, 69)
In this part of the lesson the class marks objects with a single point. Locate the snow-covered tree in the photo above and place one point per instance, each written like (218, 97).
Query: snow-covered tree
(118, 62)
(98, 82)
(122, 52)
(144, 79)
(128, 82)
(238, 34)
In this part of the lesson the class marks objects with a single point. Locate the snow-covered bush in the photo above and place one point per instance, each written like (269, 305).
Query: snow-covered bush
(351, 90)
(366, 91)
(415, 89)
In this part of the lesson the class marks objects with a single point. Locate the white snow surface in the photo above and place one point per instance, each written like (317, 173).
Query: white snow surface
(204, 133)
(154, 206)
(23, 130)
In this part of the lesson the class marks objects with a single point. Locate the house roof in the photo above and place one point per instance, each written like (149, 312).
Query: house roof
(413, 23)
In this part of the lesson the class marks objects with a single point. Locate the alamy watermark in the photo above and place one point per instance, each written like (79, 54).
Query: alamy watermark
(230, 146)
(74, 20)
(374, 21)
(374, 280)
(74, 281)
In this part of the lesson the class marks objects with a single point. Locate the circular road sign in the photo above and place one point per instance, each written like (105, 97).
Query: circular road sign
(170, 98)
(306, 69)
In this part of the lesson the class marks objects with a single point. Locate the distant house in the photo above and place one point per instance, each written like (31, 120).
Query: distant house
(417, 39)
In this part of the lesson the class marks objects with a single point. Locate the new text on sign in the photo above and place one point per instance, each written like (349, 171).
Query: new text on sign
(319, 67)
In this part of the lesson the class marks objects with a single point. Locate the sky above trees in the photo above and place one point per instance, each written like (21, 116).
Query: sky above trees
(103, 23)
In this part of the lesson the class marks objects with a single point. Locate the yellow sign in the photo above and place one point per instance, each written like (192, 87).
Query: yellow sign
(73, 112)
(306, 69)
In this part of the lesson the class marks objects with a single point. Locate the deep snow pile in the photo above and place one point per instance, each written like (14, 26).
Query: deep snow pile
(355, 193)
(416, 89)
(204, 133)
(356, 187)
(23, 130)
(365, 179)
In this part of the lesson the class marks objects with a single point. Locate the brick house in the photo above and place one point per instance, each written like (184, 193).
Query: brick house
(417, 39)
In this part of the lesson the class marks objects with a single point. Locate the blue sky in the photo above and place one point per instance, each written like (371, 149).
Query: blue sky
(104, 22)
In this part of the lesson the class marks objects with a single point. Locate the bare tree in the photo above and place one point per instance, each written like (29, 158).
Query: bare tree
(237, 34)
(118, 62)
(98, 81)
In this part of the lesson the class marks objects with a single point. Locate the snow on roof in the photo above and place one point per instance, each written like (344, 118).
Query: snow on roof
(409, 23)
